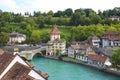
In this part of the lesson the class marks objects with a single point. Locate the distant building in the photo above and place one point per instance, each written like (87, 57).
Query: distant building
(111, 39)
(16, 38)
(94, 41)
(98, 60)
(13, 67)
(114, 18)
(79, 50)
(56, 44)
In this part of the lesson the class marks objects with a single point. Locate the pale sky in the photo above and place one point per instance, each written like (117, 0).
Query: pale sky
(22, 6)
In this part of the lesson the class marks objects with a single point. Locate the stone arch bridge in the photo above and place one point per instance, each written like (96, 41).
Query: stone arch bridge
(30, 53)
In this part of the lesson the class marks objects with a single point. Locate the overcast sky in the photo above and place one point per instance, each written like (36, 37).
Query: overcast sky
(22, 6)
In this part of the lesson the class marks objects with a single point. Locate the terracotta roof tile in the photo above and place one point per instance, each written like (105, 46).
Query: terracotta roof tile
(112, 35)
(18, 72)
(96, 57)
(29, 78)
(80, 46)
(5, 60)
(55, 30)
(1, 52)
(46, 75)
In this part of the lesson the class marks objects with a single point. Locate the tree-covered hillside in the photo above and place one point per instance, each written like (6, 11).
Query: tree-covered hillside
(74, 25)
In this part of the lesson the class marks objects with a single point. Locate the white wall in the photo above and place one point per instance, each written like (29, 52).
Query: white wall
(35, 75)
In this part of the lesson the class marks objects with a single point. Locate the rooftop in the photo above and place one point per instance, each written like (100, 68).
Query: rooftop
(96, 57)
(16, 34)
(5, 60)
(19, 72)
(80, 46)
(112, 35)
(55, 30)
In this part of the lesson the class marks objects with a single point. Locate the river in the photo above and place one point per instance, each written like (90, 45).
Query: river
(59, 70)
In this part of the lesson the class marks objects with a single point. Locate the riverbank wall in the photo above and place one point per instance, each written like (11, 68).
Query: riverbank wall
(111, 72)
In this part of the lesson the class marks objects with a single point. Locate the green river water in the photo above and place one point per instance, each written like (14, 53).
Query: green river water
(59, 70)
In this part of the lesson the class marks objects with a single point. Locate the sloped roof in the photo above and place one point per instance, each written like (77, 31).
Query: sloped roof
(114, 16)
(18, 72)
(112, 35)
(16, 34)
(96, 57)
(80, 46)
(93, 37)
(1, 52)
(5, 60)
(55, 30)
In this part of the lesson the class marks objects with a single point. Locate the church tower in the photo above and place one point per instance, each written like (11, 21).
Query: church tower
(55, 34)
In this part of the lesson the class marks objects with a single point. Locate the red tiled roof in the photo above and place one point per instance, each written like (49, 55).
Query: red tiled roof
(1, 52)
(73, 43)
(92, 52)
(5, 60)
(112, 35)
(93, 37)
(114, 16)
(55, 30)
(96, 57)
(46, 75)
(18, 72)
(80, 46)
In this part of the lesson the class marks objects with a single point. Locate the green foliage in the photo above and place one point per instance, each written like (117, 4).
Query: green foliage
(44, 52)
(4, 37)
(57, 52)
(36, 36)
(116, 57)
(85, 22)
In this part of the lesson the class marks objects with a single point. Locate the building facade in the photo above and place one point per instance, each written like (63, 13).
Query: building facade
(56, 45)
(111, 39)
(98, 60)
(16, 38)
(79, 51)
(114, 18)
(94, 41)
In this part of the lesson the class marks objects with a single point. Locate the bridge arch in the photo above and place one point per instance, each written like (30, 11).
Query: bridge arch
(38, 53)
(30, 54)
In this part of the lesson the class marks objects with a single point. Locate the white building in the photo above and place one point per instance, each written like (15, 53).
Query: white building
(79, 51)
(13, 67)
(111, 39)
(98, 60)
(17, 38)
(94, 41)
(56, 44)
(114, 18)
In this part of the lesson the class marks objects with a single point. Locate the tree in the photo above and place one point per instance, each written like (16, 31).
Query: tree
(18, 18)
(75, 19)
(58, 14)
(57, 52)
(68, 12)
(116, 57)
(35, 36)
(41, 21)
(50, 13)
(4, 37)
